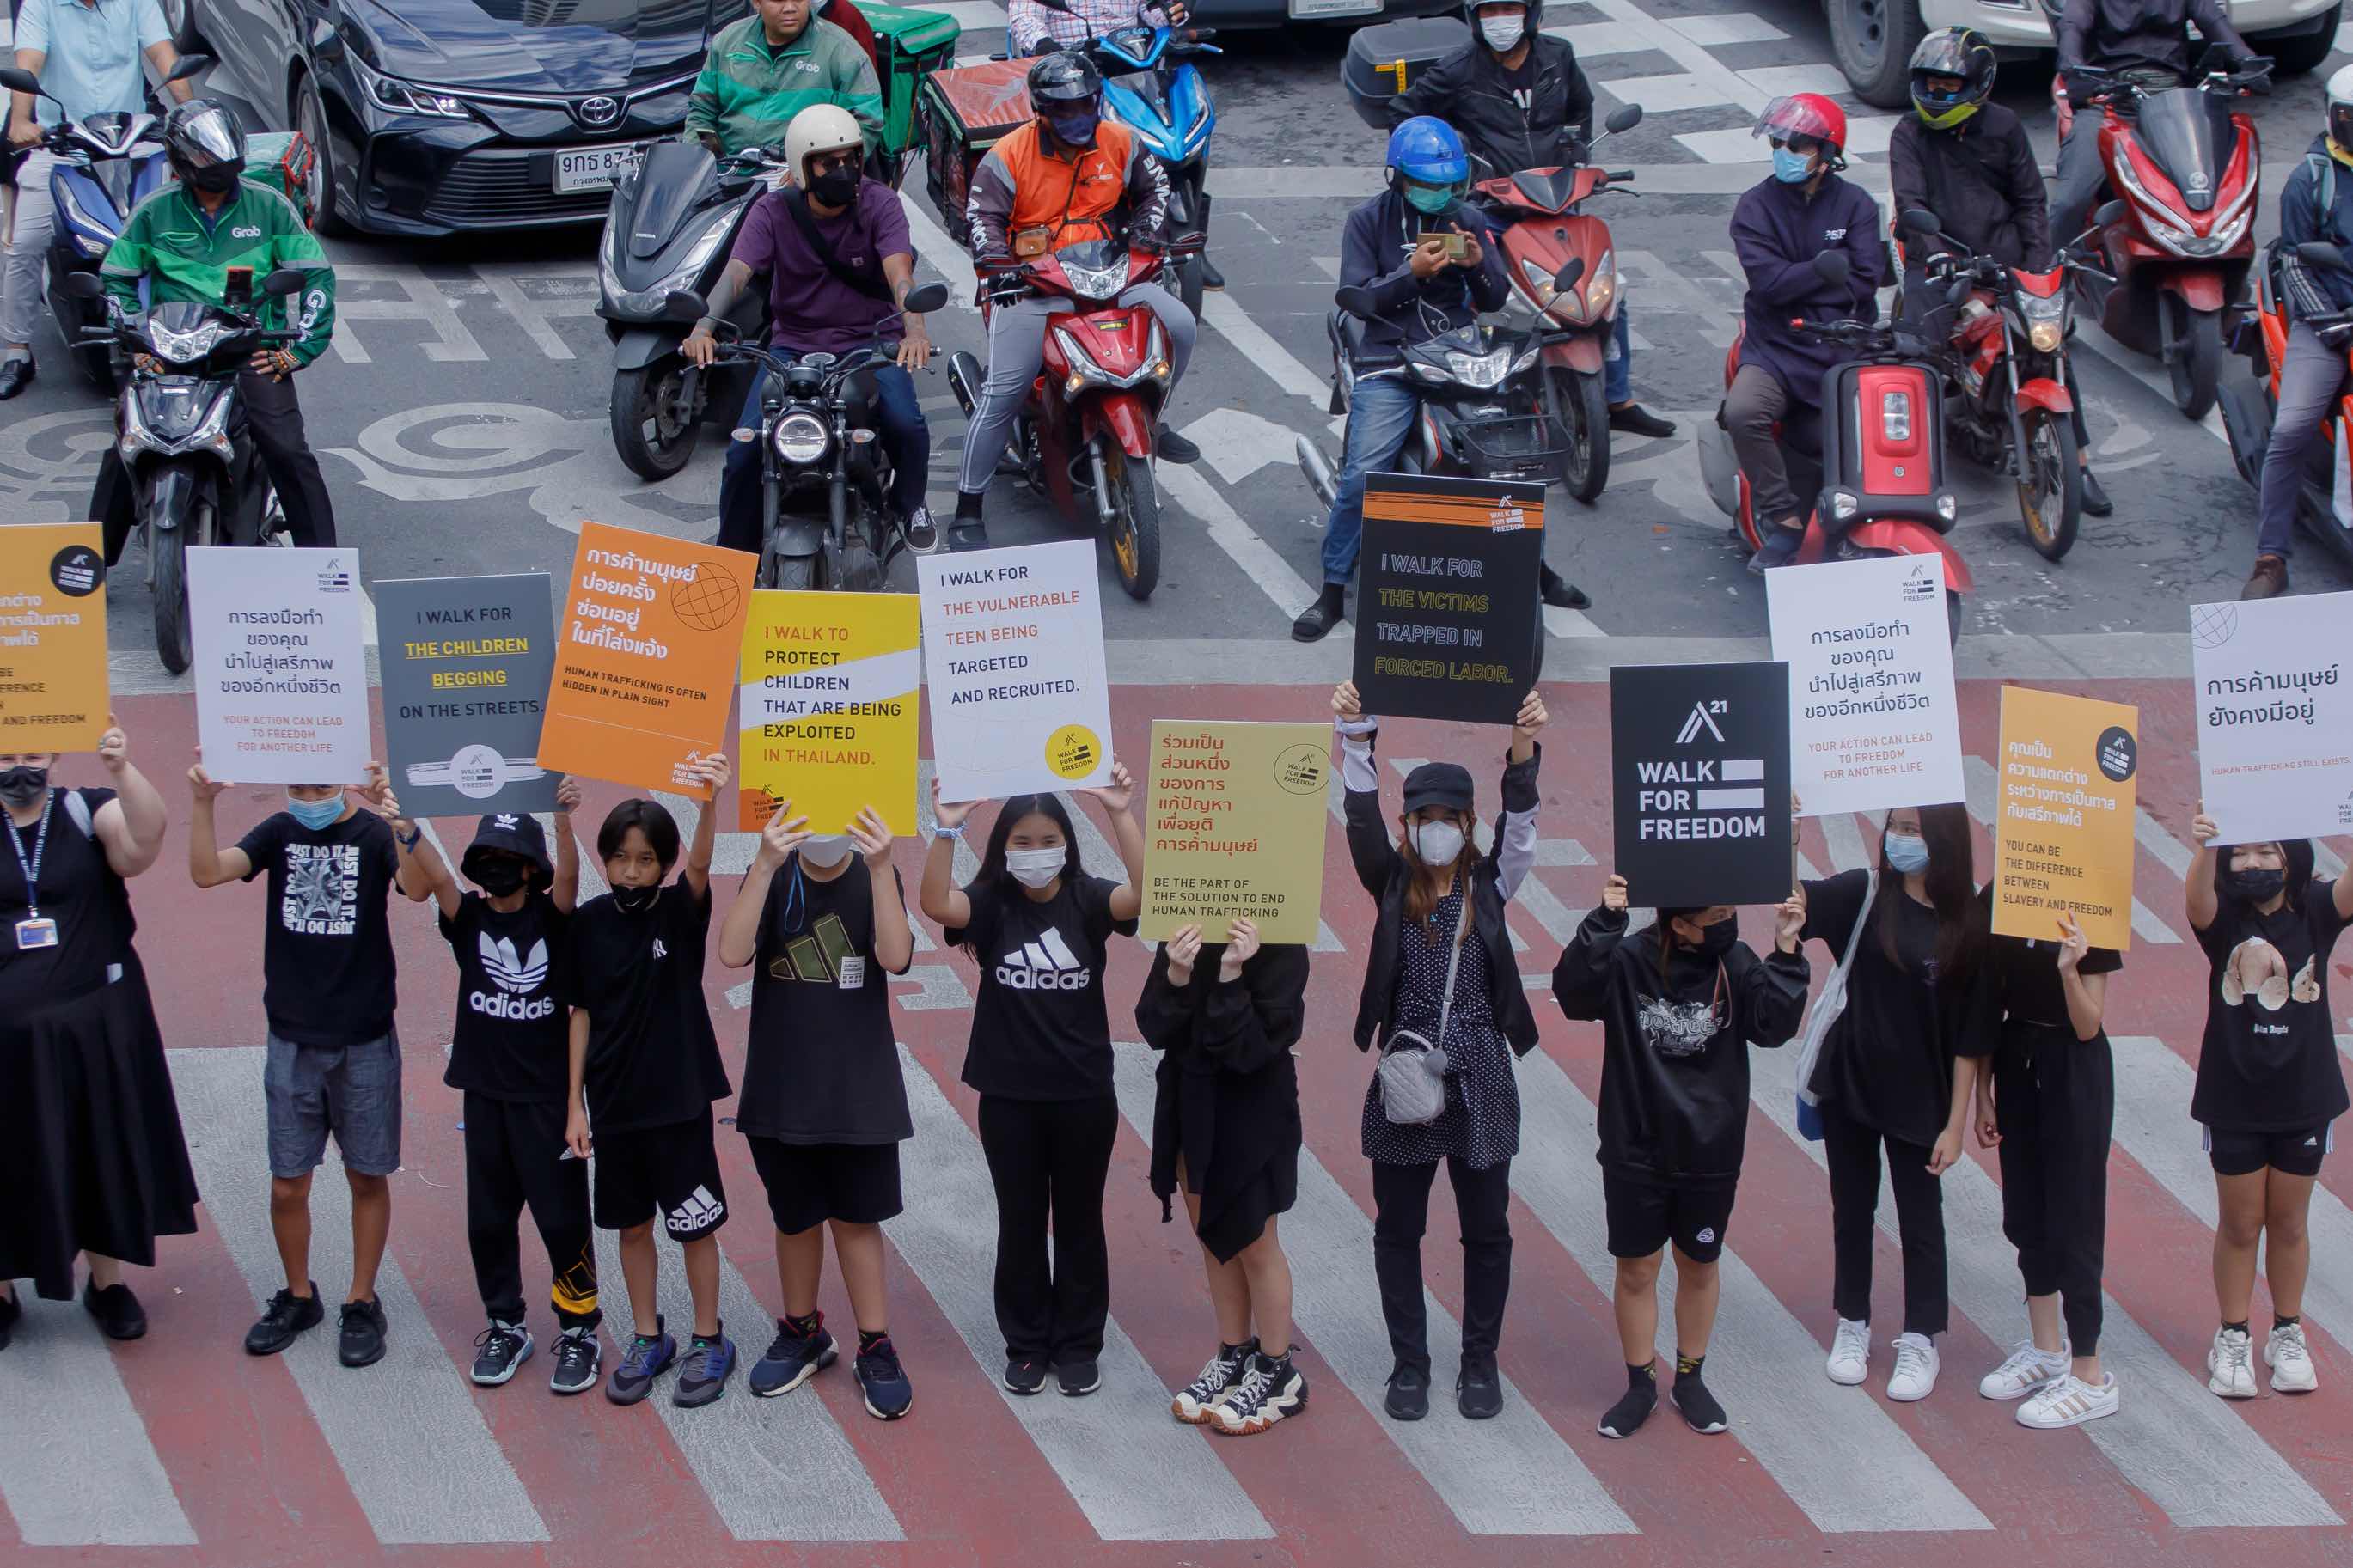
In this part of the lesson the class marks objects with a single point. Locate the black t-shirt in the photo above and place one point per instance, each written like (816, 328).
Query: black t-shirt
(1039, 1030)
(512, 1037)
(653, 1059)
(2019, 979)
(2268, 1061)
(821, 1064)
(326, 949)
(78, 890)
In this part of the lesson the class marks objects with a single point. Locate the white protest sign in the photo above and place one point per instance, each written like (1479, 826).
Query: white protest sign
(2274, 716)
(1013, 654)
(281, 664)
(1873, 721)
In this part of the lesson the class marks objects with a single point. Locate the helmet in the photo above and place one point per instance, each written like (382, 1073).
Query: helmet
(1959, 52)
(1063, 79)
(1806, 114)
(820, 128)
(2340, 108)
(204, 145)
(1427, 150)
(1530, 9)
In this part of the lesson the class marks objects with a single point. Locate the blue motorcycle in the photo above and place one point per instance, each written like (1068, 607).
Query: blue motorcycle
(1151, 86)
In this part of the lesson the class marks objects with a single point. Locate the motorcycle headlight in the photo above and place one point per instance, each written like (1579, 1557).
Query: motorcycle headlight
(2044, 336)
(801, 438)
(1845, 504)
(396, 97)
(91, 237)
(1948, 506)
(649, 302)
(1426, 371)
(1526, 357)
(1083, 368)
(1601, 285)
(183, 348)
(1480, 371)
(1097, 282)
(1539, 282)
(1895, 416)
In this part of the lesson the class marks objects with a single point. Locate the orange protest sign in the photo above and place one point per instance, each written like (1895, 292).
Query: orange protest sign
(2063, 820)
(645, 663)
(52, 638)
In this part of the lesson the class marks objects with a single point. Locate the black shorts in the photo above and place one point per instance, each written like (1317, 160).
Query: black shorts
(809, 1183)
(671, 1171)
(2291, 1153)
(1645, 1217)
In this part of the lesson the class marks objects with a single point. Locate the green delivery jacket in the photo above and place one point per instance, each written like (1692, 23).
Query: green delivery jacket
(750, 89)
(170, 243)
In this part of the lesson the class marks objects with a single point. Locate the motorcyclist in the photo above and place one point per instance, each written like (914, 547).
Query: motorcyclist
(1800, 210)
(2316, 203)
(768, 67)
(834, 281)
(1967, 159)
(1059, 180)
(180, 244)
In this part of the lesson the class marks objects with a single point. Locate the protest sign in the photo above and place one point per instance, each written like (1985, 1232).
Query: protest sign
(827, 709)
(1447, 597)
(1700, 763)
(1014, 659)
(2063, 823)
(1873, 720)
(466, 666)
(2274, 716)
(1233, 826)
(281, 664)
(52, 638)
(645, 664)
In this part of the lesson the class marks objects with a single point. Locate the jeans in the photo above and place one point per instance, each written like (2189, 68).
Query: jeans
(1048, 1161)
(2310, 380)
(20, 283)
(512, 1160)
(351, 1090)
(2076, 186)
(1618, 365)
(1400, 1212)
(1755, 405)
(1852, 1150)
(905, 437)
(2057, 1097)
(1381, 412)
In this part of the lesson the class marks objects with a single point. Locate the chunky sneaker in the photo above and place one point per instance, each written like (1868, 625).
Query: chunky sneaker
(1077, 1377)
(647, 1358)
(1478, 1391)
(500, 1351)
(2069, 1402)
(359, 1330)
(1701, 1411)
(1850, 1357)
(921, 533)
(1915, 1376)
(577, 1358)
(703, 1370)
(2026, 1371)
(793, 1359)
(286, 1316)
(1024, 1374)
(1193, 1401)
(2290, 1360)
(2229, 1365)
(115, 1310)
(1267, 1391)
(1409, 1393)
(883, 1381)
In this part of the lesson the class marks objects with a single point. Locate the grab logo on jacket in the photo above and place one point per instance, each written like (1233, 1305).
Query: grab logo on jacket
(515, 979)
(1045, 965)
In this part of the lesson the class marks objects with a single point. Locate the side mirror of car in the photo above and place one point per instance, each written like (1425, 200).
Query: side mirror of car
(190, 66)
(80, 285)
(928, 298)
(1920, 220)
(1566, 278)
(1832, 267)
(2320, 252)
(284, 281)
(1357, 301)
(1623, 118)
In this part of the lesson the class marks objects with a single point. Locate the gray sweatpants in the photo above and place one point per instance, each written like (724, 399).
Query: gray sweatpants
(2310, 380)
(2075, 184)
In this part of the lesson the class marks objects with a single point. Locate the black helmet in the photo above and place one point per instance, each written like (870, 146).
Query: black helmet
(1063, 79)
(204, 145)
(1951, 52)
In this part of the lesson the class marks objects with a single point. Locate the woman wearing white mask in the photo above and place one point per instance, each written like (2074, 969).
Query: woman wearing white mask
(1428, 947)
(1040, 927)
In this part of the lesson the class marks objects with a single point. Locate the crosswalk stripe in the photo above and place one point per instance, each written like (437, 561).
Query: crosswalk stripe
(1843, 1460)
(78, 1467)
(1984, 786)
(413, 1447)
(730, 850)
(1667, 94)
(1733, 27)
(1136, 1474)
(1509, 1476)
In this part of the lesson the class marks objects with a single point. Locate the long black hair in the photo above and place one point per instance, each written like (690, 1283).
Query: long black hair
(2295, 855)
(992, 876)
(1952, 887)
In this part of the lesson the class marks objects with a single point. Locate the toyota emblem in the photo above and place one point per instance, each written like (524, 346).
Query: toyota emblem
(599, 111)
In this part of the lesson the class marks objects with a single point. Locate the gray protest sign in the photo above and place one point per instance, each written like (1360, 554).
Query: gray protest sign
(467, 661)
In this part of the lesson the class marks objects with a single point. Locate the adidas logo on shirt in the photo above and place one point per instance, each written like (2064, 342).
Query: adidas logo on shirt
(1046, 965)
(515, 978)
(698, 1214)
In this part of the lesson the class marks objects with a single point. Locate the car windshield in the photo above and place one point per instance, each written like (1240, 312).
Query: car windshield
(2186, 134)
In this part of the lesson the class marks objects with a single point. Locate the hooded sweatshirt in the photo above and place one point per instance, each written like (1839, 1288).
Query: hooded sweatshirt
(1776, 231)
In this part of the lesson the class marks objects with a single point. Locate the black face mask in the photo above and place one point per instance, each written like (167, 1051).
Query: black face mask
(636, 901)
(2255, 887)
(22, 784)
(836, 187)
(1715, 941)
(214, 179)
(499, 876)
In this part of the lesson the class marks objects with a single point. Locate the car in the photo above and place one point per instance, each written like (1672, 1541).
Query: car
(433, 116)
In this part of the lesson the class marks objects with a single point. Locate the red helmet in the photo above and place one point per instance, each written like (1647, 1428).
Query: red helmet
(1805, 114)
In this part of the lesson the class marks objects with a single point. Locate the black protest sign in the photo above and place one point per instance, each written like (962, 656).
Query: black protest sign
(1700, 761)
(1446, 607)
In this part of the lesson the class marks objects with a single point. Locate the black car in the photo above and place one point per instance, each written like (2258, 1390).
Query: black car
(435, 116)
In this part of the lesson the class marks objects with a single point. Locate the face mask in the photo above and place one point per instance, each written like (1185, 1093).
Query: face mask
(1946, 119)
(316, 814)
(500, 877)
(1792, 168)
(1905, 853)
(1431, 199)
(1075, 128)
(635, 901)
(824, 851)
(22, 785)
(1438, 843)
(2255, 887)
(1502, 33)
(1715, 941)
(214, 178)
(1035, 867)
(838, 187)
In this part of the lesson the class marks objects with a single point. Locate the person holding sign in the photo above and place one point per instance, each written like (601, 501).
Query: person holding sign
(1678, 1006)
(823, 919)
(1442, 983)
(96, 1161)
(1225, 1129)
(2269, 1084)
(1040, 929)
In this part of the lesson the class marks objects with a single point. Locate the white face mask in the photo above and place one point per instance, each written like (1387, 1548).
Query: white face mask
(1034, 868)
(1502, 33)
(1438, 843)
(824, 851)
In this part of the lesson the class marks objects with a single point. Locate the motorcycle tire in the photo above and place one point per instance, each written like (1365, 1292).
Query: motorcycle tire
(802, 572)
(172, 642)
(2050, 482)
(1188, 285)
(1953, 615)
(2307, 51)
(1581, 417)
(654, 436)
(1131, 518)
(96, 367)
(2197, 368)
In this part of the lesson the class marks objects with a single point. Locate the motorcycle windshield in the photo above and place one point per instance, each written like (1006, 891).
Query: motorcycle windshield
(1147, 90)
(677, 178)
(2188, 135)
(1132, 46)
(179, 316)
(119, 178)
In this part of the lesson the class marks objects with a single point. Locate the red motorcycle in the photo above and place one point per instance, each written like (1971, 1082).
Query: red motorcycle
(2325, 499)
(1084, 438)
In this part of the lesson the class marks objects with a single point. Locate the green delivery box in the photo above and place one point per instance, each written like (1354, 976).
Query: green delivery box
(910, 45)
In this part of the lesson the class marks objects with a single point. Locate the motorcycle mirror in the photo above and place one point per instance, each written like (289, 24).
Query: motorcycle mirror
(285, 281)
(80, 285)
(1920, 220)
(1959, 291)
(1566, 278)
(2110, 212)
(928, 298)
(2315, 253)
(683, 306)
(1623, 118)
(20, 81)
(189, 66)
(1832, 266)
(1357, 301)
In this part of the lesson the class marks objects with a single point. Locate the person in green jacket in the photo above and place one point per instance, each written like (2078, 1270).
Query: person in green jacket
(767, 68)
(180, 244)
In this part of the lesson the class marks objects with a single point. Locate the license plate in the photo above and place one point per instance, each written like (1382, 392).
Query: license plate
(593, 168)
(1308, 9)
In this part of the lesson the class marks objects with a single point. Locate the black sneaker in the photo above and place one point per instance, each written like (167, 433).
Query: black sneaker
(1625, 1418)
(2096, 499)
(361, 1330)
(286, 1316)
(1478, 1391)
(646, 1358)
(1561, 594)
(923, 534)
(1316, 621)
(1701, 1411)
(1024, 1374)
(1408, 1394)
(500, 1351)
(1193, 1401)
(1077, 1377)
(1637, 420)
(578, 1357)
(1780, 548)
(9, 1312)
(1211, 279)
(793, 1359)
(883, 1381)
(703, 1370)
(117, 1311)
(968, 532)
(1269, 1391)
(1171, 447)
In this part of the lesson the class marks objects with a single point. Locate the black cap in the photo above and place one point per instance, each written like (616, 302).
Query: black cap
(1445, 785)
(516, 833)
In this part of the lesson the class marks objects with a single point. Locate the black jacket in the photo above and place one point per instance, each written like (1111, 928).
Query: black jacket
(2305, 217)
(1982, 182)
(2135, 35)
(1674, 1056)
(1376, 252)
(1469, 91)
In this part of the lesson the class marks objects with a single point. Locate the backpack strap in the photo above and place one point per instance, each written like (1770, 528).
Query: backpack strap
(867, 283)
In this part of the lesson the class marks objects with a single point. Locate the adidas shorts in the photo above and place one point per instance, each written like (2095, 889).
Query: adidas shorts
(2296, 1154)
(1644, 1216)
(670, 1173)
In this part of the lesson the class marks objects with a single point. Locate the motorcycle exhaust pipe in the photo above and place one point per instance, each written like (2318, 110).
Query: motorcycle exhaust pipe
(1318, 469)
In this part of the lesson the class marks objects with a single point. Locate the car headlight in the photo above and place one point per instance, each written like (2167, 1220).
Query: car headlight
(1480, 371)
(801, 438)
(650, 301)
(396, 97)
(1097, 282)
(183, 348)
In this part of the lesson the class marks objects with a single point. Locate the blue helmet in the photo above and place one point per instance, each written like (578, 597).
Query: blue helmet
(1426, 149)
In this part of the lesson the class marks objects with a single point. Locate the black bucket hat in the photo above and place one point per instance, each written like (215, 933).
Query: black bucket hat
(516, 833)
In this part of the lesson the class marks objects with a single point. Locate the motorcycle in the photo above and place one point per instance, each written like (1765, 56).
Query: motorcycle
(672, 222)
(107, 164)
(181, 433)
(1877, 468)
(2324, 506)
(1152, 87)
(2185, 163)
(818, 438)
(1085, 431)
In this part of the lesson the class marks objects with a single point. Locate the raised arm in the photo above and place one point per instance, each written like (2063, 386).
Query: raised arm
(1515, 834)
(937, 895)
(714, 771)
(739, 933)
(2198, 882)
(565, 893)
(209, 865)
(1253, 1015)
(1581, 978)
(1369, 846)
(895, 939)
(130, 827)
(2087, 994)
(410, 874)
(423, 864)
(1127, 834)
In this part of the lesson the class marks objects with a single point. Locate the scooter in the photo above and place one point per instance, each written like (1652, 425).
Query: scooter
(1152, 87)
(2324, 505)
(1083, 437)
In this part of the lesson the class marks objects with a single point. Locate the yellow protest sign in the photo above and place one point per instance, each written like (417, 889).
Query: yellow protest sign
(828, 707)
(1233, 826)
(52, 638)
(2063, 820)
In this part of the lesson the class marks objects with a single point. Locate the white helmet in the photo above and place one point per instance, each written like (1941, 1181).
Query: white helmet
(820, 128)
(2340, 108)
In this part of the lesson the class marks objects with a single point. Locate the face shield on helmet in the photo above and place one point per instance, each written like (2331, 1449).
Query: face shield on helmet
(1807, 133)
(206, 146)
(2340, 108)
(1952, 77)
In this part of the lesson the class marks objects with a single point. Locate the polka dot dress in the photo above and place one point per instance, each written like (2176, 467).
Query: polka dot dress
(1481, 1123)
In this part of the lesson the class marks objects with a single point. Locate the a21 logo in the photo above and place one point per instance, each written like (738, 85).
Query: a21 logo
(1702, 722)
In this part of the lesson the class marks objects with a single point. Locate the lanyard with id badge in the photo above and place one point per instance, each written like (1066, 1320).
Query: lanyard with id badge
(34, 932)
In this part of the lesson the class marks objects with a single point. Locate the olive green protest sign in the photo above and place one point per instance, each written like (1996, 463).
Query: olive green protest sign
(1233, 827)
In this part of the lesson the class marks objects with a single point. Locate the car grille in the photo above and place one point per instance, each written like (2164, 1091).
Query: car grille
(505, 188)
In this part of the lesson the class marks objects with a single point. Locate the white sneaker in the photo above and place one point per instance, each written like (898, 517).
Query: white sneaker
(2229, 1366)
(2290, 1361)
(1915, 1376)
(2027, 1370)
(1850, 1361)
(2069, 1402)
